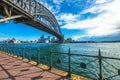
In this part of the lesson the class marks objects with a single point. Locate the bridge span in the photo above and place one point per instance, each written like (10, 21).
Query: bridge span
(32, 13)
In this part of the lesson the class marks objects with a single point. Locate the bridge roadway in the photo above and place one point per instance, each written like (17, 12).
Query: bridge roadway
(32, 13)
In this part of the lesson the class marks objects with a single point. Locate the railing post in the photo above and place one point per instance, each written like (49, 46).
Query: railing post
(29, 57)
(12, 51)
(19, 51)
(33, 56)
(50, 59)
(69, 63)
(0, 48)
(9, 50)
(100, 64)
(23, 52)
(16, 51)
(38, 59)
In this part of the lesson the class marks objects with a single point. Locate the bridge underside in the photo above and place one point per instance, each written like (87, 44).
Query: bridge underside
(8, 9)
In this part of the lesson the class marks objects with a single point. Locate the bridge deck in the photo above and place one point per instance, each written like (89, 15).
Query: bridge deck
(14, 69)
(31, 13)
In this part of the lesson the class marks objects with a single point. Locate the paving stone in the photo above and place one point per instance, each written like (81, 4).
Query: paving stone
(13, 69)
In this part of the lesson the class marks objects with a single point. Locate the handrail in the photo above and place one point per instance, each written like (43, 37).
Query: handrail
(55, 59)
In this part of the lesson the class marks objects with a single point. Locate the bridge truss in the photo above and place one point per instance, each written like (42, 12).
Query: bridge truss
(32, 13)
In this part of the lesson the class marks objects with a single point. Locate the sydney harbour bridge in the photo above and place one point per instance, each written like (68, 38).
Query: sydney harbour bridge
(32, 13)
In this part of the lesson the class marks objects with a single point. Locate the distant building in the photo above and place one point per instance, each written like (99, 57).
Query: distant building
(53, 40)
(18, 41)
(13, 40)
(6, 41)
(68, 40)
(41, 39)
(48, 39)
(32, 41)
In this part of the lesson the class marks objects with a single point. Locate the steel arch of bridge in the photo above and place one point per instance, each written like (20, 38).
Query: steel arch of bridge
(32, 13)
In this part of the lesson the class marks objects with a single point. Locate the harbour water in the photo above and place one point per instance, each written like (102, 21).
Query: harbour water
(81, 65)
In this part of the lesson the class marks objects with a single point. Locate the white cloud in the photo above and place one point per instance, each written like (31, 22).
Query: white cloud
(49, 7)
(101, 1)
(77, 37)
(80, 37)
(103, 31)
(58, 1)
(106, 23)
(46, 4)
(67, 18)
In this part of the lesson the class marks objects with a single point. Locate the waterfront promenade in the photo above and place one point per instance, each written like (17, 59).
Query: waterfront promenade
(15, 69)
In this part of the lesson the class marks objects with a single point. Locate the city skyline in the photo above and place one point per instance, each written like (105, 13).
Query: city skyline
(79, 19)
(41, 39)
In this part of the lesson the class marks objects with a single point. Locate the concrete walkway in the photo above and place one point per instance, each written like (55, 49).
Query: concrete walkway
(14, 69)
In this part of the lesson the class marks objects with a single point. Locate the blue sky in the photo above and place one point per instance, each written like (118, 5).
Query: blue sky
(79, 19)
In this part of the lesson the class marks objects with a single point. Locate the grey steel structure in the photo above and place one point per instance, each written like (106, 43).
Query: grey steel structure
(32, 13)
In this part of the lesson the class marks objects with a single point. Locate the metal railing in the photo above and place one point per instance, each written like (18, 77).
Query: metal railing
(94, 67)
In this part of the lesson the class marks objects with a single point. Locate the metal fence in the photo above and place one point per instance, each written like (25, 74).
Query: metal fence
(95, 67)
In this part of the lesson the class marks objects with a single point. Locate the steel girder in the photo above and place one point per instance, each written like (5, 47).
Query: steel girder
(32, 9)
